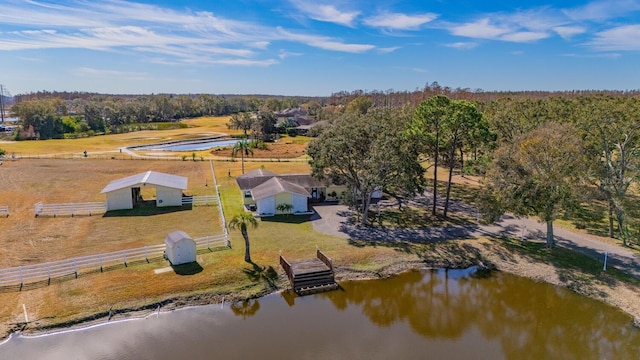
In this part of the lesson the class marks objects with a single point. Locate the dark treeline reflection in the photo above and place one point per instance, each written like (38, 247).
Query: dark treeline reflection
(529, 319)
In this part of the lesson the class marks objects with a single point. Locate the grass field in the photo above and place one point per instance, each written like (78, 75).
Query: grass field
(26, 239)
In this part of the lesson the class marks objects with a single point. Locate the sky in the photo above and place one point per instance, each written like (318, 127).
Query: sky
(317, 47)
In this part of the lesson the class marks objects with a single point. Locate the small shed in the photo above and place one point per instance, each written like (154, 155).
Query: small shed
(180, 248)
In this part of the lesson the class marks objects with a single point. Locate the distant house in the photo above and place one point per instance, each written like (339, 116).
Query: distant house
(263, 190)
(125, 193)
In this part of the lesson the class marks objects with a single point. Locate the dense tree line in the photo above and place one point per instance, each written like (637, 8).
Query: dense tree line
(43, 116)
(541, 156)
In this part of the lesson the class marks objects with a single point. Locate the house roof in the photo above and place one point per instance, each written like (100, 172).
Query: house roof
(149, 177)
(257, 173)
(256, 178)
(277, 185)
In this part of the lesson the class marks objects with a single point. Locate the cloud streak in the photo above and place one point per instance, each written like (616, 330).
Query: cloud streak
(398, 21)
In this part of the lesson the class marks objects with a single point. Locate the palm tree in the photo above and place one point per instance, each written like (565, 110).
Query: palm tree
(284, 208)
(241, 222)
(241, 146)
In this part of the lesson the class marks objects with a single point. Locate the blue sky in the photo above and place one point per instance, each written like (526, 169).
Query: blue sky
(302, 47)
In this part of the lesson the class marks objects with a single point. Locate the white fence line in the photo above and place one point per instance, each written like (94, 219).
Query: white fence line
(72, 209)
(200, 200)
(215, 185)
(4, 210)
(18, 276)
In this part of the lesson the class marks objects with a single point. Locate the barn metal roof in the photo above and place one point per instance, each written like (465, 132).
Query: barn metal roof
(275, 186)
(149, 177)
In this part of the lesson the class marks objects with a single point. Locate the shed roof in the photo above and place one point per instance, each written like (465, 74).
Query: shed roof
(276, 185)
(149, 177)
(175, 237)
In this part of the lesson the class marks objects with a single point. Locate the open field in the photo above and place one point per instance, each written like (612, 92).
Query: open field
(26, 239)
(200, 127)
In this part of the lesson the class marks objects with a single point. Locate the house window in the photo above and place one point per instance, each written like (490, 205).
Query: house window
(247, 193)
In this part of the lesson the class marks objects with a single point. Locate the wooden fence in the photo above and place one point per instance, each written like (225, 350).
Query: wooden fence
(72, 209)
(200, 200)
(4, 210)
(18, 276)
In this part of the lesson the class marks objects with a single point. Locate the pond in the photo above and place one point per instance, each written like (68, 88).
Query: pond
(191, 146)
(420, 314)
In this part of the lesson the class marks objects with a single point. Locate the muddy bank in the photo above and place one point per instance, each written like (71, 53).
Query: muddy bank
(485, 254)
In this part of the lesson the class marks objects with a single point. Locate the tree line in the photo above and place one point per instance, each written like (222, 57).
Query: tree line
(544, 157)
(49, 116)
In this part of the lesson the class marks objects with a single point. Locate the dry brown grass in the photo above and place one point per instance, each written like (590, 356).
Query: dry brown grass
(27, 239)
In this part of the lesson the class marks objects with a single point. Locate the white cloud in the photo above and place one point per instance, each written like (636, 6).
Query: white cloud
(388, 49)
(621, 38)
(603, 10)
(325, 12)
(480, 29)
(524, 36)
(325, 43)
(606, 56)
(461, 45)
(398, 21)
(283, 54)
(503, 28)
(567, 32)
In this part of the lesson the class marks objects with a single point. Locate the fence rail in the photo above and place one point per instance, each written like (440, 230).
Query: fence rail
(72, 209)
(4, 210)
(18, 276)
(200, 200)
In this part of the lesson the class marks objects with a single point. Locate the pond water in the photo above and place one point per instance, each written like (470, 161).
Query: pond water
(427, 314)
(191, 146)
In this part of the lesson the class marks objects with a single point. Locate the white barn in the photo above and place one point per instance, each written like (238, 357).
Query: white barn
(180, 248)
(125, 193)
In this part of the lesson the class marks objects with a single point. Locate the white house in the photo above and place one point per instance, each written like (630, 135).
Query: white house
(125, 193)
(263, 190)
(180, 248)
(276, 191)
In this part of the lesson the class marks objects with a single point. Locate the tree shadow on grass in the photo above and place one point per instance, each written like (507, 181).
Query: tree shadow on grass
(262, 273)
(191, 268)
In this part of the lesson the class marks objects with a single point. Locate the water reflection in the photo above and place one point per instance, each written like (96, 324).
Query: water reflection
(429, 314)
(530, 320)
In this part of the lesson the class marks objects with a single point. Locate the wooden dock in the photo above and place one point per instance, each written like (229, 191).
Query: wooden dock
(310, 276)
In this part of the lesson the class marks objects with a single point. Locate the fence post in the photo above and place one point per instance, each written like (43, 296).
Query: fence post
(75, 267)
(146, 254)
(49, 273)
(208, 238)
(100, 263)
(124, 259)
(21, 282)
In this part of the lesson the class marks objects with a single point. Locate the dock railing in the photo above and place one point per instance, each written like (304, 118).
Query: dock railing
(287, 269)
(325, 259)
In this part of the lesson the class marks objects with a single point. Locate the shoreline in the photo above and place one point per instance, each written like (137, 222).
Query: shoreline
(624, 296)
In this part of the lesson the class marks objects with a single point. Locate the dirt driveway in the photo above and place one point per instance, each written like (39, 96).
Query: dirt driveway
(335, 220)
